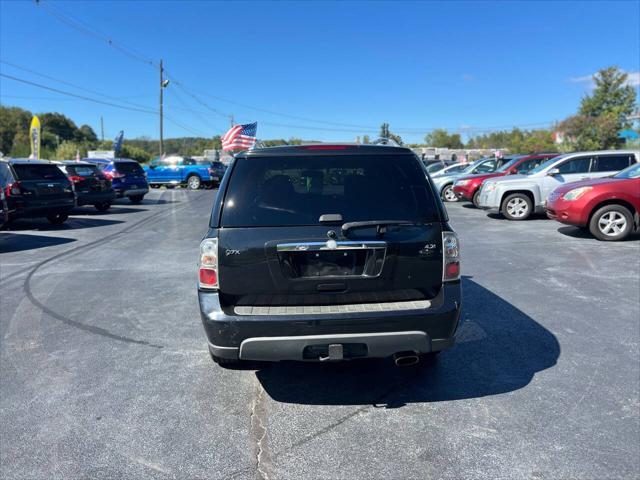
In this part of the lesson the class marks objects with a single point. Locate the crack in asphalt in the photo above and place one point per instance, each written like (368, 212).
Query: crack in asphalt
(258, 434)
(101, 241)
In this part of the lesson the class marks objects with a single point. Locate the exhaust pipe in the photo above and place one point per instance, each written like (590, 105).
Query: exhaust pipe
(406, 359)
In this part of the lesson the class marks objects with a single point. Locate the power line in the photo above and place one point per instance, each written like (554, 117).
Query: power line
(95, 100)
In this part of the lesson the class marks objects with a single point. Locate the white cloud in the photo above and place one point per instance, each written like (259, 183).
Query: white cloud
(633, 79)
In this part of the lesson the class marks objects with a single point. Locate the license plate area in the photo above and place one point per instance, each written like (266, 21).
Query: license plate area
(332, 259)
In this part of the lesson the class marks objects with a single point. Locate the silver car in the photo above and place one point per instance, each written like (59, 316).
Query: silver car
(444, 180)
(519, 196)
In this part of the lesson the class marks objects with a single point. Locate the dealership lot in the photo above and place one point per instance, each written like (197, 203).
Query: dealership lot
(105, 372)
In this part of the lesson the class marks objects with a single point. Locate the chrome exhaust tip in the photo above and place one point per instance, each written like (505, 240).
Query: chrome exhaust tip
(406, 359)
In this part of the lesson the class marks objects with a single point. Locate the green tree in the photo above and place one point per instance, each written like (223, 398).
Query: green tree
(603, 114)
(611, 95)
(58, 124)
(440, 138)
(87, 134)
(68, 150)
(366, 139)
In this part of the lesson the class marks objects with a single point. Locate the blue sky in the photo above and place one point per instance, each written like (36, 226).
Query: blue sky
(415, 65)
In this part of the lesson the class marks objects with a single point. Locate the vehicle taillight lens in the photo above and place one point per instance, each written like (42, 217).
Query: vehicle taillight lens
(208, 264)
(76, 178)
(12, 189)
(450, 256)
(211, 171)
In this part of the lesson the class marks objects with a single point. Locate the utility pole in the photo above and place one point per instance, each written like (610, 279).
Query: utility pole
(231, 120)
(102, 128)
(161, 99)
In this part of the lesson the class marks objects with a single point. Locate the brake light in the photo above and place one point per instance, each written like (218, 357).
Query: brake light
(76, 178)
(13, 189)
(208, 264)
(450, 257)
(211, 171)
(113, 174)
(323, 147)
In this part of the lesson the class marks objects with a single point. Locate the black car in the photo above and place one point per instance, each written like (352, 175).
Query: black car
(36, 188)
(328, 252)
(91, 186)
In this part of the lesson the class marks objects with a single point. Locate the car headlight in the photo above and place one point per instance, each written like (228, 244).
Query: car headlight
(460, 183)
(576, 193)
(489, 187)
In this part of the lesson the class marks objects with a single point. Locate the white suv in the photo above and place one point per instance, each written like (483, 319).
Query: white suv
(518, 196)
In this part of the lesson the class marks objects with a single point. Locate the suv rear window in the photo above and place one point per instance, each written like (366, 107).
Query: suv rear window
(272, 191)
(38, 172)
(132, 168)
(83, 170)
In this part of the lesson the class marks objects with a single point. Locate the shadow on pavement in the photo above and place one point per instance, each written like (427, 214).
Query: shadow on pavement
(535, 216)
(42, 224)
(91, 211)
(575, 232)
(17, 242)
(499, 349)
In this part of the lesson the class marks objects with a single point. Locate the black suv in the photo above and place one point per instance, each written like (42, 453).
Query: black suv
(91, 186)
(36, 188)
(328, 252)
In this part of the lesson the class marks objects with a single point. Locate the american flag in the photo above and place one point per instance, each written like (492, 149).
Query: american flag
(240, 137)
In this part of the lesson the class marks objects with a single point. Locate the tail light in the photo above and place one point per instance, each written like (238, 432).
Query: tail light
(12, 189)
(208, 264)
(113, 174)
(76, 178)
(211, 171)
(450, 257)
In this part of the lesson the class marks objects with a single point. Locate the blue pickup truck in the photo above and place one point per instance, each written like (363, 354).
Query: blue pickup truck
(177, 170)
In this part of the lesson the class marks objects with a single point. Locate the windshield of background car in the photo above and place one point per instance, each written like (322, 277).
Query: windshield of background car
(286, 191)
(38, 172)
(470, 168)
(630, 172)
(508, 165)
(542, 166)
(434, 167)
(129, 168)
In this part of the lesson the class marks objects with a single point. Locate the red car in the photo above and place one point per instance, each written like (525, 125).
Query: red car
(608, 207)
(468, 188)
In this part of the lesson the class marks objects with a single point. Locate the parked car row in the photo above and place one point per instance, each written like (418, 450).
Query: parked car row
(599, 190)
(41, 188)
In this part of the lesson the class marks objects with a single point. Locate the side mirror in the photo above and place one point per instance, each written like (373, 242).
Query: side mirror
(553, 172)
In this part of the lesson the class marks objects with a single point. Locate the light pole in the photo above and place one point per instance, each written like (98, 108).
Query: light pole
(163, 85)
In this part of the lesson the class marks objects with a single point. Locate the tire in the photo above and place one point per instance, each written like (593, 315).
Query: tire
(154, 185)
(476, 199)
(517, 206)
(57, 218)
(448, 195)
(169, 187)
(103, 207)
(611, 223)
(194, 182)
(136, 199)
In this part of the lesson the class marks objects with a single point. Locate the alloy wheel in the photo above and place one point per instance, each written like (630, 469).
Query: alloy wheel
(517, 207)
(612, 223)
(449, 194)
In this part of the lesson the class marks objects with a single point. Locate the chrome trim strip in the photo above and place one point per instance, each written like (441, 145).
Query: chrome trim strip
(317, 246)
(252, 310)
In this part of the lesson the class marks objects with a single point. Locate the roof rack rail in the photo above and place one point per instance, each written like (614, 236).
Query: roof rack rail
(385, 141)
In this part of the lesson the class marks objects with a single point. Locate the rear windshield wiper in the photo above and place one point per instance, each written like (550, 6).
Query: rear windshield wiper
(381, 225)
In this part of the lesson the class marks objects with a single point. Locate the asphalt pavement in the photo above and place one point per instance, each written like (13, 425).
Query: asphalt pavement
(104, 371)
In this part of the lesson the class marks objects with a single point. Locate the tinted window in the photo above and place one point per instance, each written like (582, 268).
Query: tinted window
(298, 190)
(631, 172)
(528, 165)
(576, 165)
(457, 168)
(38, 172)
(82, 170)
(5, 175)
(612, 163)
(129, 168)
(486, 167)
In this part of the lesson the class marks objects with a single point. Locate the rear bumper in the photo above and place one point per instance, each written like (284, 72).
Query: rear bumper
(95, 197)
(285, 337)
(27, 209)
(129, 192)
